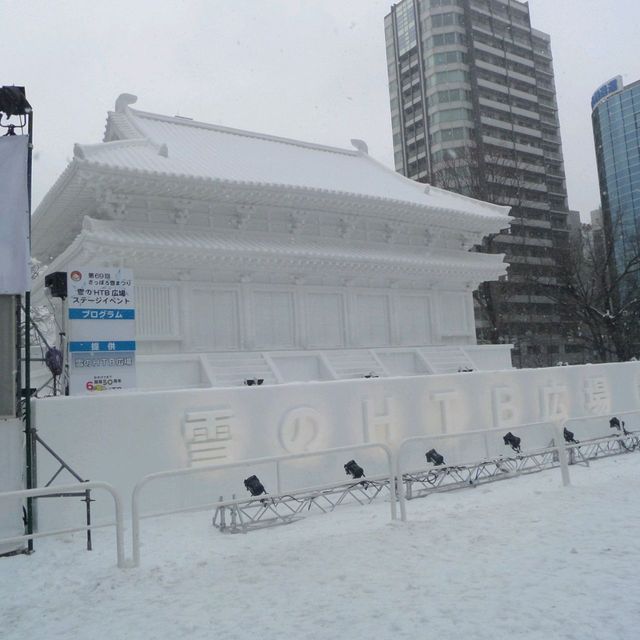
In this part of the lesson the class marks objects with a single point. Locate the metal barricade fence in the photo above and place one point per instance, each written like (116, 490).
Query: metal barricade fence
(275, 460)
(69, 488)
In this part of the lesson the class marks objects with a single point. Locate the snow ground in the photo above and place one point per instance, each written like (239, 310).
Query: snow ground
(523, 558)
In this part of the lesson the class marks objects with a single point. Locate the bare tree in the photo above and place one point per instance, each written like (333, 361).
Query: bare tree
(600, 278)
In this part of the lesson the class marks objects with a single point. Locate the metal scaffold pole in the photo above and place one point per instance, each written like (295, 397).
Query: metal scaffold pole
(30, 451)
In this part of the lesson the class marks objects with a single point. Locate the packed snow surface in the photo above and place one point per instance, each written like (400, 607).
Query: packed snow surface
(523, 558)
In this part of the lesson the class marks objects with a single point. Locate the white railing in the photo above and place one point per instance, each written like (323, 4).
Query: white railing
(548, 431)
(275, 460)
(69, 488)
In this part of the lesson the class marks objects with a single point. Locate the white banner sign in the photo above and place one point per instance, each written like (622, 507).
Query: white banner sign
(15, 277)
(102, 346)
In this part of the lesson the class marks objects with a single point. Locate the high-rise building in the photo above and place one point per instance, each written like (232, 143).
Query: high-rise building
(616, 129)
(473, 109)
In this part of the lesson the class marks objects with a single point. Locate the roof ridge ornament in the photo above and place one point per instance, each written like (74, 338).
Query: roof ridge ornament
(360, 145)
(124, 100)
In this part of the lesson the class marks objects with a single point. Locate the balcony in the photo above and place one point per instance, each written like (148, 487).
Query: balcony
(523, 78)
(526, 113)
(516, 58)
(534, 204)
(530, 222)
(530, 97)
(498, 142)
(493, 86)
(481, 64)
(525, 148)
(534, 133)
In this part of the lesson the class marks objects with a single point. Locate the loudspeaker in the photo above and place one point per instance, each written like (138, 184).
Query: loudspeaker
(57, 283)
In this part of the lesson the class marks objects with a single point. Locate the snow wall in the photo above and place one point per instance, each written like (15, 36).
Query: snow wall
(11, 479)
(120, 437)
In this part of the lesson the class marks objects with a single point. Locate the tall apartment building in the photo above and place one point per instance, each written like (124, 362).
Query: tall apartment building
(473, 109)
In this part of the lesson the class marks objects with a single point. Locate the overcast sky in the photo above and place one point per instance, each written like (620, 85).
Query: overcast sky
(308, 69)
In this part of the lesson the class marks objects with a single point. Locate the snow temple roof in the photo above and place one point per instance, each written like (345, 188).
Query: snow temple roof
(147, 153)
(182, 147)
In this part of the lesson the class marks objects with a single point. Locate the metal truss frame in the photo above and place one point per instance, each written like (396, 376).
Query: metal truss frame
(447, 478)
(241, 516)
(585, 450)
(244, 515)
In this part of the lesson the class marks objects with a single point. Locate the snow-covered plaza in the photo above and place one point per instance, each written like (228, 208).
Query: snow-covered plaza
(525, 558)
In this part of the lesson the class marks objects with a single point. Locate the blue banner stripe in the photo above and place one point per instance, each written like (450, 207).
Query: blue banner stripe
(106, 345)
(102, 314)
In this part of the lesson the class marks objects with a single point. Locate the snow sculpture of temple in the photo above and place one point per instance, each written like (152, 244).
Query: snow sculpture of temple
(259, 256)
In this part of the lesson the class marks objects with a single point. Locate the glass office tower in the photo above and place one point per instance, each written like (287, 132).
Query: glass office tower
(616, 129)
(473, 109)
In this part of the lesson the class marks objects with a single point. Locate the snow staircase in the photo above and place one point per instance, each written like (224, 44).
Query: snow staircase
(355, 363)
(232, 369)
(447, 359)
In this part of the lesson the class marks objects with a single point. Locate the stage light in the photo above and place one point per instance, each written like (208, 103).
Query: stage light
(56, 282)
(512, 441)
(434, 458)
(568, 436)
(254, 486)
(353, 469)
(615, 423)
(259, 381)
(13, 101)
(251, 381)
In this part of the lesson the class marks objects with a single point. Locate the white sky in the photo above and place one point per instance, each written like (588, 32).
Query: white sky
(309, 69)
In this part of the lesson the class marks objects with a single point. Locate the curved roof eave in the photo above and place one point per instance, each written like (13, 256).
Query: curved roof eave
(492, 223)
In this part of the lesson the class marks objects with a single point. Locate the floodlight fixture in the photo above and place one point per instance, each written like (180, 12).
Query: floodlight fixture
(13, 101)
(56, 282)
(251, 381)
(616, 423)
(353, 469)
(569, 436)
(512, 441)
(434, 458)
(254, 486)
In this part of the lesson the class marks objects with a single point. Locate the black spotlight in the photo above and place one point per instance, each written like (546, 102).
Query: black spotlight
(57, 283)
(616, 423)
(434, 458)
(259, 381)
(13, 101)
(512, 441)
(353, 469)
(249, 382)
(254, 486)
(568, 436)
